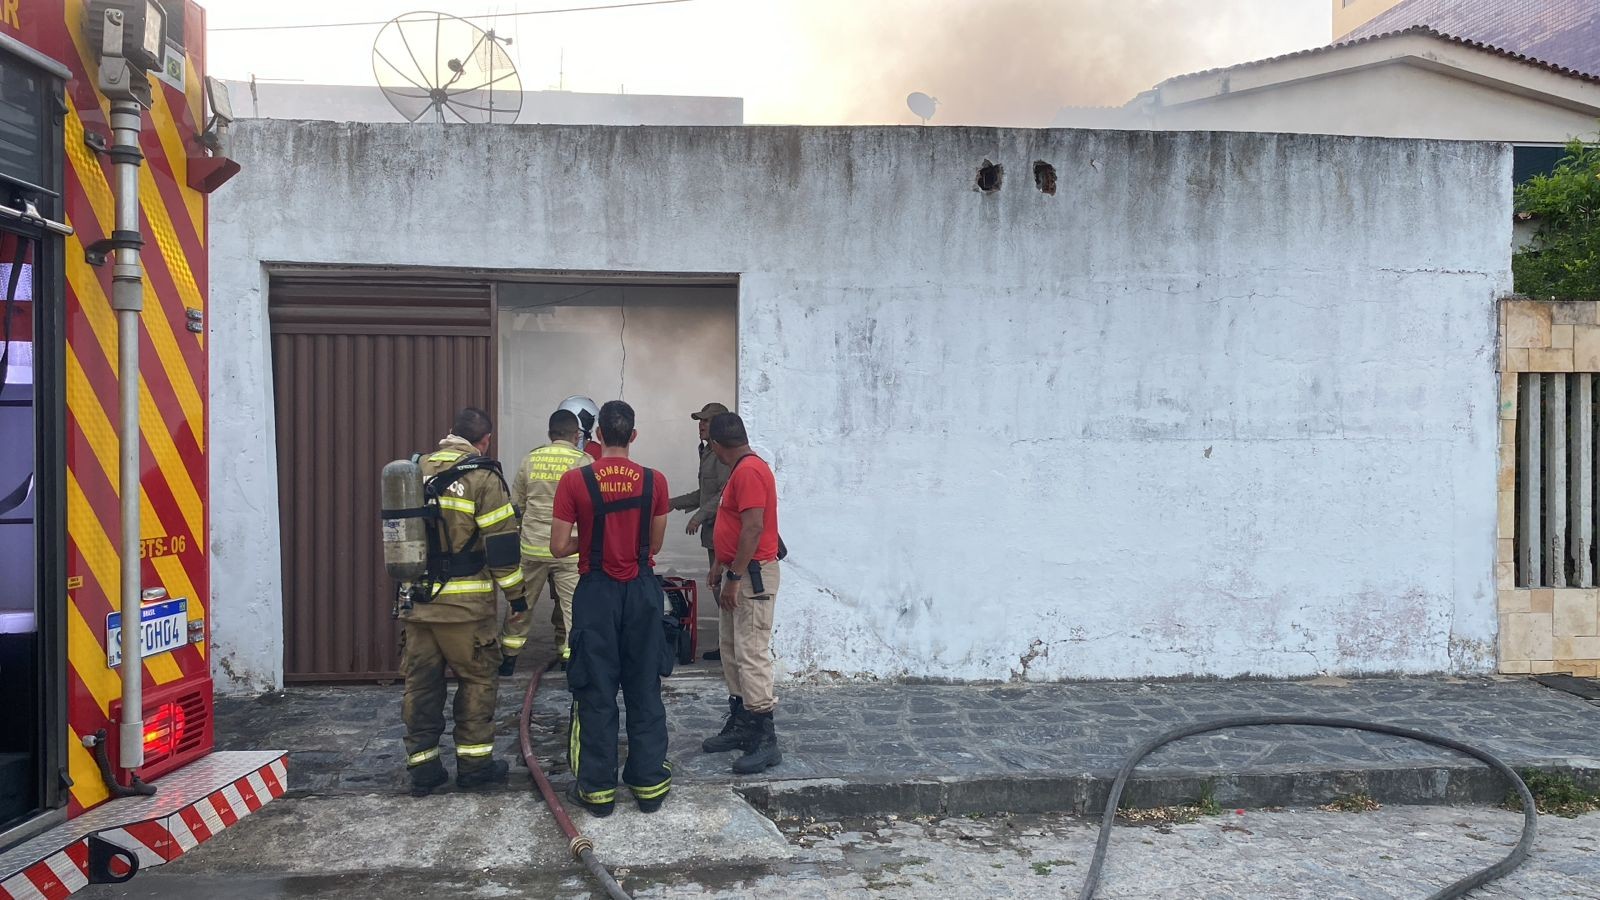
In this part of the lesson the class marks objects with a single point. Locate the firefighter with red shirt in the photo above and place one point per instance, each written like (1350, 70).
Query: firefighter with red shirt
(620, 509)
(747, 550)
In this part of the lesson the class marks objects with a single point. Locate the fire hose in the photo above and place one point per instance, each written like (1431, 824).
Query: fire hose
(1530, 815)
(581, 848)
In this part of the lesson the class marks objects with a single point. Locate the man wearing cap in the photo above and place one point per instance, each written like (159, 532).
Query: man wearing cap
(703, 501)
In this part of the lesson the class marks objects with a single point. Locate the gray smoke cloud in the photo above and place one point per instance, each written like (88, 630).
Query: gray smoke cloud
(1016, 62)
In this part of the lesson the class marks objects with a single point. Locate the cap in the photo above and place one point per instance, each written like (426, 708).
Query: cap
(709, 410)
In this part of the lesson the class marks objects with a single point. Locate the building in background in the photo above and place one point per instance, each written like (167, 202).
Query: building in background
(1563, 33)
(1348, 15)
(1417, 83)
(366, 103)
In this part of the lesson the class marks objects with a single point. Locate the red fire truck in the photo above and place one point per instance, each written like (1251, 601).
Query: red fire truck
(111, 138)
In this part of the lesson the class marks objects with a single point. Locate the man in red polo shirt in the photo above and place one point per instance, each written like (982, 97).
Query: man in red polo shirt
(747, 551)
(620, 509)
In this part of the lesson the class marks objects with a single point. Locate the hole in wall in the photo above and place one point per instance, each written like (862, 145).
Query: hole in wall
(989, 176)
(1044, 177)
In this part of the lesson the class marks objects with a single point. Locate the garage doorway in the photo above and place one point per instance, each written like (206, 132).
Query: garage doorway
(365, 369)
(370, 366)
(667, 349)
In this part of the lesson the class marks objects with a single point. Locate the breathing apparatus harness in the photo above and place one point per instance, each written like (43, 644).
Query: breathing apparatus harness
(443, 564)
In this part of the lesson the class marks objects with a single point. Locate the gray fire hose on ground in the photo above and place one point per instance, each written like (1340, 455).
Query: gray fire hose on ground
(1530, 815)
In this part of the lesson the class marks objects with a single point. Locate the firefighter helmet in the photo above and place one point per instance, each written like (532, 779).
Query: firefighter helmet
(587, 412)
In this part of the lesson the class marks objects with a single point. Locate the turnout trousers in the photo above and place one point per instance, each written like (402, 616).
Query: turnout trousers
(562, 576)
(617, 642)
(470, 649)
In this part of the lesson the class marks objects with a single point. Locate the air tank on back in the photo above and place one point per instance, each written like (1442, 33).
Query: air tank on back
(405, 539)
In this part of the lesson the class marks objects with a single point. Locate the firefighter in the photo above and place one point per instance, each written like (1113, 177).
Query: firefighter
(534, 491)
(587, 413)
(457, 627)
(704, 499)
(747, 552)
(620, 509)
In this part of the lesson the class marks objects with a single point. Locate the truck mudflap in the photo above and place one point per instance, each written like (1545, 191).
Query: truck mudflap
(113, 841)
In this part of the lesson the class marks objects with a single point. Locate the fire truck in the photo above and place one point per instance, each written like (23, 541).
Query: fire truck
(111, 139)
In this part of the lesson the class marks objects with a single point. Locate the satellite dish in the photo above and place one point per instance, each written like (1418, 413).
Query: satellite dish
(436, 67)
(922, 106)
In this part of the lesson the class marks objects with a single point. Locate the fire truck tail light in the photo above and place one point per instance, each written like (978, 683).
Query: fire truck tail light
(164, 729)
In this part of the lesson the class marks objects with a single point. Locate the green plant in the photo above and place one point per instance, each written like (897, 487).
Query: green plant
(1044, 868)
(1352, 803)
(1206, 804)
(1556, 794)
(1564, 258)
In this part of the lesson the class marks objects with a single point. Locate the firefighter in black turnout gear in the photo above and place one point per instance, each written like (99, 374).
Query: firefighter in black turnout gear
(618, 636)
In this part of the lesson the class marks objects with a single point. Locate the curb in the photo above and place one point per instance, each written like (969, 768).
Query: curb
(1085, 794)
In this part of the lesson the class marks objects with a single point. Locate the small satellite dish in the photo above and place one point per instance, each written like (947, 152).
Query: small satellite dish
(922, 106)
(439, 68)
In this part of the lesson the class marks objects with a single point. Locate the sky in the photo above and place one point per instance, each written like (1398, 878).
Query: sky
(811, 62)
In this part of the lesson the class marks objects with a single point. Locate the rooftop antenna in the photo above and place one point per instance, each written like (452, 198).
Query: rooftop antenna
(255, 98)
(922, 106)
(441, 68)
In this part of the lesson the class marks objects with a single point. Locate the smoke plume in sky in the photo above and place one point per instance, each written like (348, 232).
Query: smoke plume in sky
(813, 62)
(1015, 62)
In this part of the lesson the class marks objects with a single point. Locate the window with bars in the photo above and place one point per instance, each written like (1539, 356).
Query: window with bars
(1556, 500)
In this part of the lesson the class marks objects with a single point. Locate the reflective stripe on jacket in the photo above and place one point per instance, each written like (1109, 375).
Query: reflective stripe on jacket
(474, 504)
(534, 492)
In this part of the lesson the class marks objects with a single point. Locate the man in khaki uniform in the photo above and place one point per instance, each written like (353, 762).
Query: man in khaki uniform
(703, 501)
(457, 627)
(534, 491)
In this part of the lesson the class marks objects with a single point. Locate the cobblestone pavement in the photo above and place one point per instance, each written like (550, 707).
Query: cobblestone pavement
(1405, 852)
(348, 738)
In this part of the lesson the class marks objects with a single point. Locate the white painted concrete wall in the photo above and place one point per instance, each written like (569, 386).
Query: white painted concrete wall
(1223, 405)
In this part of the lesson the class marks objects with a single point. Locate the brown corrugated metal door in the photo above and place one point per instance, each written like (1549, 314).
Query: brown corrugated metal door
(365, 370)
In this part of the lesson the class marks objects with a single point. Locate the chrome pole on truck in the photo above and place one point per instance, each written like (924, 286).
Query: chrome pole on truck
(128, 36)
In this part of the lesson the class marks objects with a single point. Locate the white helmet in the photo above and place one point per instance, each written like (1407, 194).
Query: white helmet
(587, 412)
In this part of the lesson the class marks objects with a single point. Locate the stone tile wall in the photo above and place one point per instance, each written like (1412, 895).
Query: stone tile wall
(1542, 629)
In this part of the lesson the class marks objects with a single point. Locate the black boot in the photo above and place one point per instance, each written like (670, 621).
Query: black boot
(491, 775)
(598, 810)
(427, 776)
(764, 754)
(737, 731)
(712, 656)
(508, 666)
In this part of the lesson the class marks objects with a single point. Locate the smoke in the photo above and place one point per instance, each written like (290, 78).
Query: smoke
(1016, 62)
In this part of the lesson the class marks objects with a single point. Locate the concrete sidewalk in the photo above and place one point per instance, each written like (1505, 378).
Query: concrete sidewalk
(875, 749)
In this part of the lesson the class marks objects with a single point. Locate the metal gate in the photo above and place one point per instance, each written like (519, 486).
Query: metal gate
(365, 370)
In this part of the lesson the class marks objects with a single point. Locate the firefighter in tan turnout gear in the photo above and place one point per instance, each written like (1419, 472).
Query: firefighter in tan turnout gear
(458, 626)
(534, 492)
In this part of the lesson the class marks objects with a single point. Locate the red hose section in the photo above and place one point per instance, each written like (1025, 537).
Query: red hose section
(532, 762)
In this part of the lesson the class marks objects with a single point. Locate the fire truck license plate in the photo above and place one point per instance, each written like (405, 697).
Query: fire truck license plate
(162, 627)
